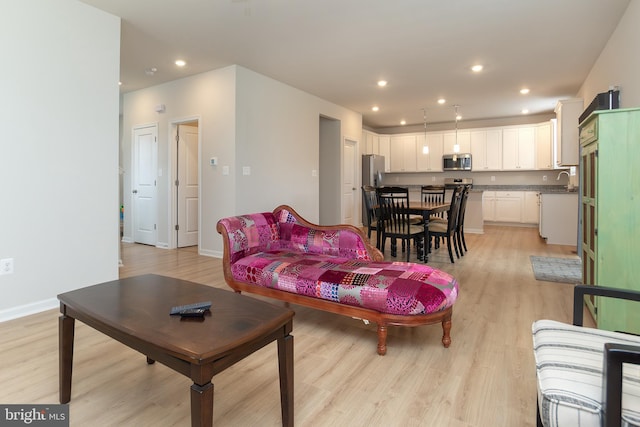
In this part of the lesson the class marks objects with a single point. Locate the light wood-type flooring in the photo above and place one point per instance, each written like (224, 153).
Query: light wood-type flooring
(486, 377)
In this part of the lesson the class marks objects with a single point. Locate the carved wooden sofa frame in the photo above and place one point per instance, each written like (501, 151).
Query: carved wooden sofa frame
(383, 320)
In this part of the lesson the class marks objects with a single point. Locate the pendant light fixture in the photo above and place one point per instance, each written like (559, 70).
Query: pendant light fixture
(425, 147)
(456, 146)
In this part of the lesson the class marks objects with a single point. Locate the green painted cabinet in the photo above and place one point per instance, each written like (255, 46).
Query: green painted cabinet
(610, 212)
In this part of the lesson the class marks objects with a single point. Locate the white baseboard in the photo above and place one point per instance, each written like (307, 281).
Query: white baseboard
(208, 252)
(27, 309)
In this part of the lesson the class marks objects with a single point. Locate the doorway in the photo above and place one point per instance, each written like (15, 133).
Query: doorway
(186, 200)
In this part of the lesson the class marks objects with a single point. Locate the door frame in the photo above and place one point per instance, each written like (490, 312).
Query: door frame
(172, 195)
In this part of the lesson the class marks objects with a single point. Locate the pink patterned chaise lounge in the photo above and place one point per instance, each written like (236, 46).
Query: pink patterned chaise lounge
(332, 268)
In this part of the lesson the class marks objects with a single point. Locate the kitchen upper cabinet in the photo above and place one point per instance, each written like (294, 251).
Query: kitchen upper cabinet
(518, 148)
(403, 153)
(567, 141)
(431, 162)
(371, 145)
(384, 144)
(486, 150)
(464, 141)
(544, 146)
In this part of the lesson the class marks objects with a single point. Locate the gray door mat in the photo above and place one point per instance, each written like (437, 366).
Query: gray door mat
(563, 270)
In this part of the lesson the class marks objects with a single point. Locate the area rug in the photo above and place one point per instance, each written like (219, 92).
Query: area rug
(563, 270)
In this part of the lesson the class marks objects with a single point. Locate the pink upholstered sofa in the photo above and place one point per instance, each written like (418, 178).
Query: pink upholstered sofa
(333, 268)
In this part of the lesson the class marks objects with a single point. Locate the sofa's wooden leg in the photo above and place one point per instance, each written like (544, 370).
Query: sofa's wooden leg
(382, 339)
(446, 330)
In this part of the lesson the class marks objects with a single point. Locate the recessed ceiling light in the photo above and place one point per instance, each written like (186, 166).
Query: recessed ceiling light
(441, 101)
(375, 108)
(477, 68)
(119, 83)
(382, 83)
(180, 63)
(403, 122)
(524, 91)
(525, 111)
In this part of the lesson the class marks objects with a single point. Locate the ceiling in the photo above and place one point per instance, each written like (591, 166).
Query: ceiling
(339, 49)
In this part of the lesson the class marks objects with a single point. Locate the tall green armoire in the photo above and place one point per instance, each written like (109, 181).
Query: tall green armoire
(610, 203)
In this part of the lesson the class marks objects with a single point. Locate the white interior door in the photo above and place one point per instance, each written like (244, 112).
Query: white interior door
(349, 182)
(187, 185)
(144, 189)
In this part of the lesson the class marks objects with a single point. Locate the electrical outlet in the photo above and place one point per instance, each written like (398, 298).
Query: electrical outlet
(433, 178)
(6, 266)
(493, 178)
(544, 177)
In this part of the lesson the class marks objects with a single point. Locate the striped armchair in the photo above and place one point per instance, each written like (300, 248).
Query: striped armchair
(579, 370)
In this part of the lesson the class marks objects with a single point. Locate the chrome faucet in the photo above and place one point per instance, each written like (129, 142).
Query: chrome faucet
(563, 172)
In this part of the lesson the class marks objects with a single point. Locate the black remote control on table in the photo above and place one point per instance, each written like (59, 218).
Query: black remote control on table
(193, 312)
(205, 305)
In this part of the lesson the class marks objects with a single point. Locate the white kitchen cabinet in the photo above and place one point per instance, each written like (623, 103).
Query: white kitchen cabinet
(509, 206)
(431, 162)
(531, 208)
(489, 205)
(504, 206)
(486, 149)
(464, 141)
(567, 141)
(371, 145)
(384, 144)
(403, 153)
(559, 218)
(518, 148)
(544, 146)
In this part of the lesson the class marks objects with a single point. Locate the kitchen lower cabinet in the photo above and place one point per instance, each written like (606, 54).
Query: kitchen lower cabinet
(610, 202)
(509, 206)
(503, 206)
(559, 218)
(531, 207)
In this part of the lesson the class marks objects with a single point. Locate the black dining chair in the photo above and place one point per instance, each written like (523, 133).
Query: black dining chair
(447, 229)
(433, 194)
(370, 201)
(399, 192)
(460, 222)
(396, 224)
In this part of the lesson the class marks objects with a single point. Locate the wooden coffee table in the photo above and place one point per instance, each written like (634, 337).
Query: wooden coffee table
(135, 311)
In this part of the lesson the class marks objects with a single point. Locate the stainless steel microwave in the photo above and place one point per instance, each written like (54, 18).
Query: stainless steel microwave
(456, 162)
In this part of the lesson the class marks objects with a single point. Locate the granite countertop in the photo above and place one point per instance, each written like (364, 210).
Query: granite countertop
(547, 189)
(538, 188)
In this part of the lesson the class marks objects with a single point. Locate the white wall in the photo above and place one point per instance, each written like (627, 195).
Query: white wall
(619, 62)
(246, 120)
(59, 151)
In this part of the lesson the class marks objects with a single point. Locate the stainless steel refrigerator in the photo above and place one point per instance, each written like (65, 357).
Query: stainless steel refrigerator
(372, 174)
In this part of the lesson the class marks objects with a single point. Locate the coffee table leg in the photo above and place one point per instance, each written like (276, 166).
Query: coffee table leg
(285, 362)
(202, 405)
(66, 328)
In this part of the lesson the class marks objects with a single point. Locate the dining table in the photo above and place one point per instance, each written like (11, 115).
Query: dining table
(426, 209)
